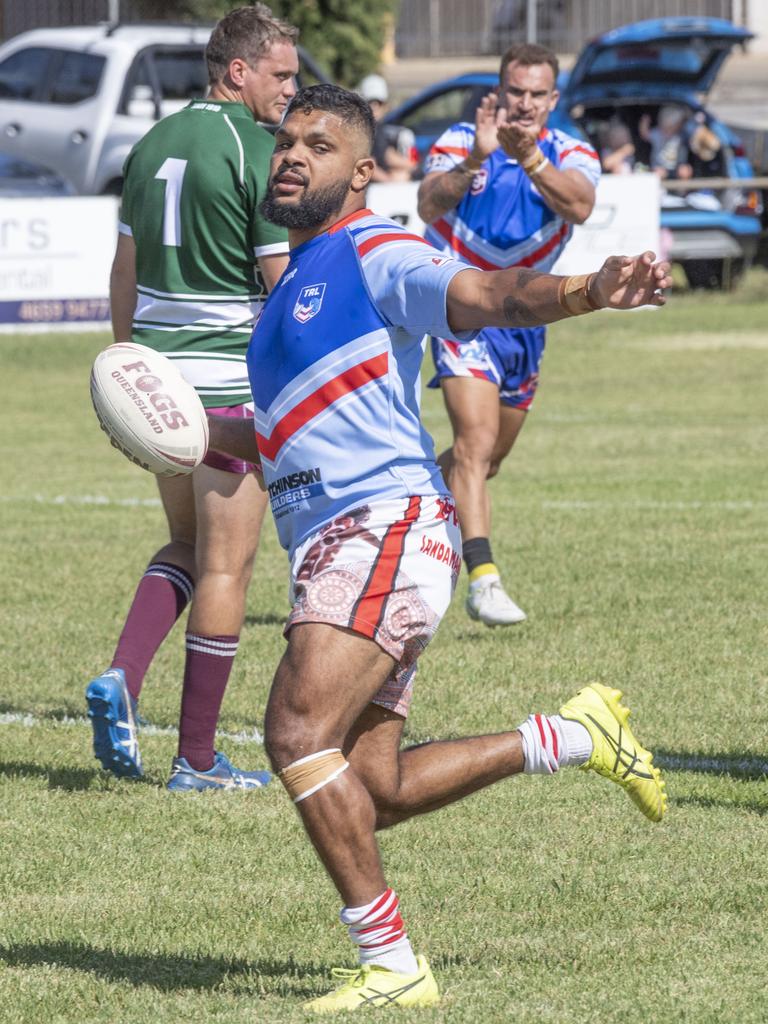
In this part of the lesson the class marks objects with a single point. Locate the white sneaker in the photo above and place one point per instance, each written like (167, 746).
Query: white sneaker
(490, 603)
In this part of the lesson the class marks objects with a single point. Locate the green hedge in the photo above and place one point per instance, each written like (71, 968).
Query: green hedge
(345, 36)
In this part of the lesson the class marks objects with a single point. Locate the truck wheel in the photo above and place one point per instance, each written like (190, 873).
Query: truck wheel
(722, 274)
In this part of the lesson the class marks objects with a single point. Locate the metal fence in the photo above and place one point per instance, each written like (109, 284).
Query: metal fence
(425, 28)
(20, 15)
(446, 28)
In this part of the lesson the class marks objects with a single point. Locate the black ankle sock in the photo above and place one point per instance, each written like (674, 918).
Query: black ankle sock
(477, 551)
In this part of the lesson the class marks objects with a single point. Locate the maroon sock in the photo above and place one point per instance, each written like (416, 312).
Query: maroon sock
(206, 673)
(163, 593)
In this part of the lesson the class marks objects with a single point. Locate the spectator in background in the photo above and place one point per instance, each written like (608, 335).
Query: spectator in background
(393, 146)
(704, 147)
(669, 148)
(618, 154)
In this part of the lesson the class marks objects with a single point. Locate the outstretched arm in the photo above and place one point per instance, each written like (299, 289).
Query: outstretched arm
(525, 298)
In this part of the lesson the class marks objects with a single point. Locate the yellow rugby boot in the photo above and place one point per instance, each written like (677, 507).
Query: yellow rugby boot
(616, 754)
(371, 986)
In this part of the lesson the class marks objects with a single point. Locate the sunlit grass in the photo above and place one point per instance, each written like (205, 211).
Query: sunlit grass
(631, 525)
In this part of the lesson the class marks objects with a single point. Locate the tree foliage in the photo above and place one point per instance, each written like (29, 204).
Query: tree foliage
(345, 36)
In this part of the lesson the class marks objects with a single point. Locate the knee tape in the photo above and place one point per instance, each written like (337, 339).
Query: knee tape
(305, 776)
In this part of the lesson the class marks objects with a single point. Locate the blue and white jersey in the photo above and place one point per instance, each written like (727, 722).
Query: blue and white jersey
(503, 221)
(334, 366)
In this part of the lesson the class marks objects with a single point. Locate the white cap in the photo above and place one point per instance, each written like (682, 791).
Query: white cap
(373, 87)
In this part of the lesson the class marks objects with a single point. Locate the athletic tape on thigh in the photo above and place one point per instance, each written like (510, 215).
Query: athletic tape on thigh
(305, 776)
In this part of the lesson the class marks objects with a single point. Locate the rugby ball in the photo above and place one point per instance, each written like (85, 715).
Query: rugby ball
(147, 410)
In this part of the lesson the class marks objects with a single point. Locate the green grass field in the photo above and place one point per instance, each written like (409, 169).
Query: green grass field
(632, 525)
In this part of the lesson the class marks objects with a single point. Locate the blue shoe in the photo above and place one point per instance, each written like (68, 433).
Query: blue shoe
(223, 775)
(112, 712)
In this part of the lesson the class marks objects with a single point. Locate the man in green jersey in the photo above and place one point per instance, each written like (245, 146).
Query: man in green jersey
(193, 265)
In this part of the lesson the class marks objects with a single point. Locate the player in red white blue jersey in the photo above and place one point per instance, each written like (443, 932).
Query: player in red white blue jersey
(335, 330)
(335, 372)
(503, 192)
(372, 535)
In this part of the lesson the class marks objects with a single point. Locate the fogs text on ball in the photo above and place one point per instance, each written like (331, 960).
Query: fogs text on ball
(148, 411)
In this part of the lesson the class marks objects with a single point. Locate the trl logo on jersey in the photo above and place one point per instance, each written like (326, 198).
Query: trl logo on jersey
(479, 182)
(309, 302)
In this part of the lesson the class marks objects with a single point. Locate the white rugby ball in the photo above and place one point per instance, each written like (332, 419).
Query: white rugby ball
(148, 411)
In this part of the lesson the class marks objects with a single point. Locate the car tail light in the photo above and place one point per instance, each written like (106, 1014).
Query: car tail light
(738, 149)
(749, 204)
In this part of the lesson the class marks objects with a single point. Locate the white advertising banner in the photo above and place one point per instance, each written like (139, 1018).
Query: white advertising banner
(55, 258)
(398, 201)
(625, 220)
(56, 253)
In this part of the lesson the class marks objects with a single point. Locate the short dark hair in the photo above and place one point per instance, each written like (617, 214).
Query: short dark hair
(247, 33)
(348, 106)
(528, 54)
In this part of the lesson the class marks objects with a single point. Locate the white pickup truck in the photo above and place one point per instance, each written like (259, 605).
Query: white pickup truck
(75, 100)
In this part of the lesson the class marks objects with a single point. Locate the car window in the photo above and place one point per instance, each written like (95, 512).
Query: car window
(22, 73)
(138, 94)
(181, 74)
(440, 112)
(77, 77)
(173, 76)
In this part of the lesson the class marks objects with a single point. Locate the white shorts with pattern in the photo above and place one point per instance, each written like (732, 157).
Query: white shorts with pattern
(387, 571)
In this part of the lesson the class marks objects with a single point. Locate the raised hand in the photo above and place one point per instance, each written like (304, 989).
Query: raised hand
(626, 282)
(516, 140)
(486, 140)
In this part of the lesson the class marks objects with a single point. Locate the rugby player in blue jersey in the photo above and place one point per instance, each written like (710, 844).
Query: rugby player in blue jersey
(503, 192)
(371, 531)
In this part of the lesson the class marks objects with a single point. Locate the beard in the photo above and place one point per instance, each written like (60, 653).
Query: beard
(313, 208)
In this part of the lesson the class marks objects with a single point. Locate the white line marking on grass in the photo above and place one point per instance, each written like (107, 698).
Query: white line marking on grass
(700, 341)
(101, 500)
(748, 766)
(660, 506)
(79, 499)
(30, 721)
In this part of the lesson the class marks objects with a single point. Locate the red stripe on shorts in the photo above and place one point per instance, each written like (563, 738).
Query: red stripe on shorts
(368, 612)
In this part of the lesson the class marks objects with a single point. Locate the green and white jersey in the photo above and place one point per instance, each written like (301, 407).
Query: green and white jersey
(193, 184)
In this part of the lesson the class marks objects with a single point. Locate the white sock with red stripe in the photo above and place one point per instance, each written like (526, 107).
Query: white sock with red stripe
(551, 742)
(378, 931)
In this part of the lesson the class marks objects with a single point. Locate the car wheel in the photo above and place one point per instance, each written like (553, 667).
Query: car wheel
(714, 274)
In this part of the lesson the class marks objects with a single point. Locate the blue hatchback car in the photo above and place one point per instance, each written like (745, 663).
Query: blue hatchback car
(627, 76)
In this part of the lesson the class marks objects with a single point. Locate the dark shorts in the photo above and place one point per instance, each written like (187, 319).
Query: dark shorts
(227, 463)
(510, 358)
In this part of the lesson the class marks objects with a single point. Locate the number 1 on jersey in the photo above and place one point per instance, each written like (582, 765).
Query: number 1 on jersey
(172, 173)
